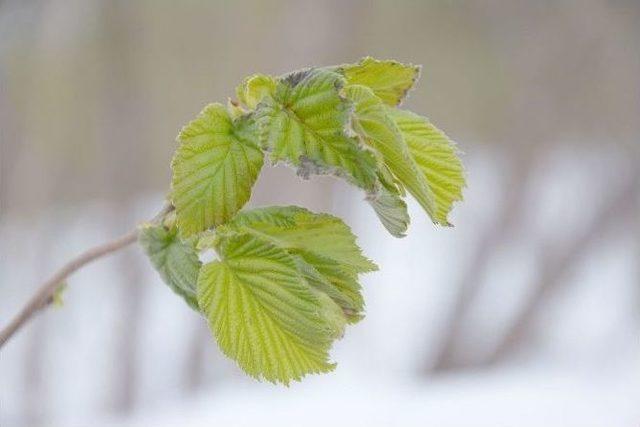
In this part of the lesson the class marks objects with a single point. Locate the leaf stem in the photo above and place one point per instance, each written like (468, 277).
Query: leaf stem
(45, 294)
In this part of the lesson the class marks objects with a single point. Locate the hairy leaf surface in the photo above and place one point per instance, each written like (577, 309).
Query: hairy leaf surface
(322, 246)
(304, 124)
(175, 260)
(263, 313)
(214, 169)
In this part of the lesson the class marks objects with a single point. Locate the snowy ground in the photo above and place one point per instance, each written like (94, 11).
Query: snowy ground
(510, 397)
(582, 370)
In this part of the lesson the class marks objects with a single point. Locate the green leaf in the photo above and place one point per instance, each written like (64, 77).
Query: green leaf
(254, 88)
(388, 202)
(436, 157)
(332, 278)
(391, 209)
(373, 124)
(176, 261)
(304, 123)
(301, 231)
(389, 80)
(322, 246)
(214, 169)
(263, 313)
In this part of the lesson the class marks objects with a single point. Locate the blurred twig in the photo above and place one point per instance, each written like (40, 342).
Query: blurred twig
(44, 295)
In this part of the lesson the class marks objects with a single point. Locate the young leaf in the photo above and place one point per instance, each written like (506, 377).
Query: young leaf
(372, 123)
(263, 313)
(254, 88)
(319, 234)
(214, 169)
(304, 124)
(321, 245)
(319, 282)
(175, 260)
(389, 80)
(436, 157)
(338, 282)
(391, 209)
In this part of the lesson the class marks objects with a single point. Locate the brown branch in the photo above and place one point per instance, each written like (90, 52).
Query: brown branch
(45, 294)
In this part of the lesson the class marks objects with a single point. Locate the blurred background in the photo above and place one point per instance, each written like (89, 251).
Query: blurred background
(526, 313)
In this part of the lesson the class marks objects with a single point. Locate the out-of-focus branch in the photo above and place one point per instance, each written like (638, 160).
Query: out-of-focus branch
(556, 266)
(45, 294)
(470, 285)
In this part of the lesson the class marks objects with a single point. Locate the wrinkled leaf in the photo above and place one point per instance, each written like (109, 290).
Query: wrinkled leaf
(263, 313)
(389, 80)
(304, 124)
(214, 169)
(299, 230)
(373, 124)
(437, 159)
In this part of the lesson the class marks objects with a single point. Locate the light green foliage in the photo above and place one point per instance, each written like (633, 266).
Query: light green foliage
(305, 232)
(372, 123)
(286, 280)
(304, 123)
(391, 209)
(263, 313)
(176, 261)
(323, 246)
(389, 80)
(437, 159)
(291, 278)
(214, 169)
(254, 88)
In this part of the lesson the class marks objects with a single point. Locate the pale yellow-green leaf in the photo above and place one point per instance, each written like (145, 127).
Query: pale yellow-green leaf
(339, 283)
(263, 313)
(389, 80)
(388, 202)
(372, 123)
(321, 234)
(254, 88)
(214, 169)
(321, 245)
(436, 157)
(304, 123)
(321, 283)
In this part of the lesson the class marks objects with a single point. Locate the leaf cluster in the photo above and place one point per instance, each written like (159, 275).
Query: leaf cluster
(286, 280)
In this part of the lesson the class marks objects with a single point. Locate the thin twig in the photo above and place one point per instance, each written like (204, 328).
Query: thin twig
(45, 294)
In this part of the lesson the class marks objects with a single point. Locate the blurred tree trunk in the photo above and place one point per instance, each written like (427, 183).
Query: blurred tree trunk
(618, 211)
(470, 285)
